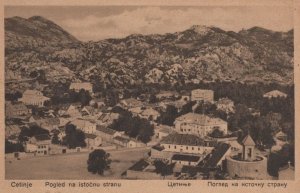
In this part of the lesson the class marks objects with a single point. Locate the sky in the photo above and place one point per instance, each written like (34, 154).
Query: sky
(101, 22)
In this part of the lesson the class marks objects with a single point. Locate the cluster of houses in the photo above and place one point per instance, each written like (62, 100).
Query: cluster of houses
(188, 144)
(93, 120)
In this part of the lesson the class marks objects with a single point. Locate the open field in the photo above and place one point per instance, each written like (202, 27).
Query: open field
(69, 166)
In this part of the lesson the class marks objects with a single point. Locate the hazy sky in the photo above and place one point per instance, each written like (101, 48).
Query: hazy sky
(100, 22)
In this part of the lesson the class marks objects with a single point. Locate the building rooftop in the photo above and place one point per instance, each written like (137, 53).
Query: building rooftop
(105, 130)
(248, 141)
(18, 106)
(90, 136)
(122, 139)
(158, 147)
(31, 92)
(200, 119)
(139, 166)
(183, 157)
(80, 85)
(42, 137)
(183, 139)
(216, 155)
(202, 90)
(225, 101)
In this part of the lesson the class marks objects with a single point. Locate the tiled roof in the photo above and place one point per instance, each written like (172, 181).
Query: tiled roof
(42, 137)
(139, 166)
(216, 155)
(200, 119)
(275, 93)
(202, 91)
(31, 92)
(52, 121)
(248, 141)
(224, 101)
(89, 108)
(77, 85)
(90, 136)
(19, 106)
(122, 139)
(183, 139)
(150, 111)
(183, 157)
(105, 130)
(158, 147)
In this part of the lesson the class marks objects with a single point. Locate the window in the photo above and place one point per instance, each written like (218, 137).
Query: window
(249, 152)
(175, 146)
(187, 147)
(192, 148)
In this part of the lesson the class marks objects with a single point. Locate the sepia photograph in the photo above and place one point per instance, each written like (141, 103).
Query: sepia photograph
(138, 92)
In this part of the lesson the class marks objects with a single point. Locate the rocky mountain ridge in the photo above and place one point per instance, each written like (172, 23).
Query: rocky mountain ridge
(201, 53)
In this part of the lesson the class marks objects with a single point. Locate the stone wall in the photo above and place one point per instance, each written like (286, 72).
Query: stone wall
(247, 169)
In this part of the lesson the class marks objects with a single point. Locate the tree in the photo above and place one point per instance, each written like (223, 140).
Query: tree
(98, 162)
(111, 98)
(187, 108)
(168, 117)
(163, 168)
(33, 74)
(74, 137)
(13, 96)
(84, 97)
(12, 147)
(152, 99)
(146, 131)
(27, 132)
(217, 133)
(135, 127)
(55, 139)
(206, 108)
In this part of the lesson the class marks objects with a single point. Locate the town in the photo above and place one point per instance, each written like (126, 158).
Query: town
(167, 96)
(200, 130)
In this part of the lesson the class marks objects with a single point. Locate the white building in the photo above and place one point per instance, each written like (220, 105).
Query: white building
(200, 125)
(226, 105)
(39, 144)
(131, 103)
(275, 94)
(85, 125)
(16, 109)
(181, 144)
(33, 97)
(77, 86)
(185, 143)
(202, 95)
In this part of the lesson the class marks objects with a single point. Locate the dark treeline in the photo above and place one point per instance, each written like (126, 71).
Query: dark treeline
(133, 126)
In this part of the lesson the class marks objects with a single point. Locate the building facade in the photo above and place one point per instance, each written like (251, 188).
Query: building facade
(200, 125)
(77, 86)
(34, 97)
(16, 109)
(202, 95)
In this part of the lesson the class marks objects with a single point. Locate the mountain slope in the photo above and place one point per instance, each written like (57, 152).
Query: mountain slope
(34, 31)
(204, 53)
